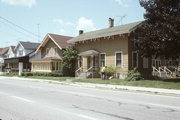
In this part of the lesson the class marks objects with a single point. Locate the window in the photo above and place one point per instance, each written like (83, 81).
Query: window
(80, 61)
(55, 51)
(156, 63)
(20, 52)
(102, 59)
(118, 59)
(47, 51)
(145, 62)
(135, 59)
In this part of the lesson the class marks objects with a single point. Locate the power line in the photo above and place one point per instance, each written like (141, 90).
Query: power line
(17, 30)
(18, 26)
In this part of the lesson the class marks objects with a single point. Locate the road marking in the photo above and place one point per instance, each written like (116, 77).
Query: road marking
(87, 117)
(23, 99)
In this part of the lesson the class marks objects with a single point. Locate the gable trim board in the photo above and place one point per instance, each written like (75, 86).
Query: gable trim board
(45, 40)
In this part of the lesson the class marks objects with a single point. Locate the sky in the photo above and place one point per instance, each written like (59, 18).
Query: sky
(31, 20)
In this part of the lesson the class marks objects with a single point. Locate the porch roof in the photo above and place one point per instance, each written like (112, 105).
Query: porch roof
(89, 53)
(24, 59)
(48, 59)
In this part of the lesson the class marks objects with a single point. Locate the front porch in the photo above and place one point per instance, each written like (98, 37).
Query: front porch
(165, 68)
(88, 64)
(47, 65)
(17, 64)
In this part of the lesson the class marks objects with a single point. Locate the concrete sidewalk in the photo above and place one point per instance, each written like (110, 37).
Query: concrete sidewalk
(105, 86)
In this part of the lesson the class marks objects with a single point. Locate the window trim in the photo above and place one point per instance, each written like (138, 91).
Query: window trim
(21, 52)
(47, 51)
(121, 59)
(145, 65)
(79, 61)
(55, 50)
(137, 64)
(100, 59)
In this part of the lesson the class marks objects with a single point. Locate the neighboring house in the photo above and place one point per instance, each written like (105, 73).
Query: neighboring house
(3, 55)
(11, 53)
(51, 50)
(19, 62)
(112, 46)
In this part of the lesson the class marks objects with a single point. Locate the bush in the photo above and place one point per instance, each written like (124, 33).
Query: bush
(48, 74)
(11, 74)
(133, 75)
(110, 71)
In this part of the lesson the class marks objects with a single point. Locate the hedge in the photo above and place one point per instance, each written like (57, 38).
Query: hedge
(48, 74)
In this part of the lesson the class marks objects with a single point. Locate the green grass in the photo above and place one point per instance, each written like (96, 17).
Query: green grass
(49, 78)
(167, 83)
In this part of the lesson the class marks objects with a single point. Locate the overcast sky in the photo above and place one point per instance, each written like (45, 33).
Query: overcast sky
(64, 17)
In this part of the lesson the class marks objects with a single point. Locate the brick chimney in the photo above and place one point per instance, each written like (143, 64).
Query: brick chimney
(111, 22)
(81, 32)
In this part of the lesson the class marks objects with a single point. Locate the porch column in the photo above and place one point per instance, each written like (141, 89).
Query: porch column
(20, 68)
(92, 61)
(84, 63)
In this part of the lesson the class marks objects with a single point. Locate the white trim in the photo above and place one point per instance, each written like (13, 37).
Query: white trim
(44, 40)
(47, 51)
(100, 59)
(18, 45)
(121, 59)
(137, 64)
(55, 42)
(55, 50)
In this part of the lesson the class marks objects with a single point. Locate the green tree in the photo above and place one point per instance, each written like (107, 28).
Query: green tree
(160, 33)
(69, 61)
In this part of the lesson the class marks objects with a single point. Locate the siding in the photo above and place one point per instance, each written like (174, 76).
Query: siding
(108, 46)
(51, 45)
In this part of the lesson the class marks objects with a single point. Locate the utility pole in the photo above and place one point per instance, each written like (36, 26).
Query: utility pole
(38, 25)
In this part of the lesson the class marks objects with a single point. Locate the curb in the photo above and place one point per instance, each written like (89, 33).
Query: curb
(105, 86)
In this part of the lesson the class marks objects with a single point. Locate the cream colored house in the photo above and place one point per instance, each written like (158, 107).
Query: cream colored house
(51, 54)
(112, 46)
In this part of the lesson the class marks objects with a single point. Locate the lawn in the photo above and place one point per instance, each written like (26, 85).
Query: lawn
(173, 83)
(166, 83)
(49, 78)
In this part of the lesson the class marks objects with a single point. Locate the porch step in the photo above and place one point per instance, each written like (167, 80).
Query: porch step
(83, 75)
(162, 74)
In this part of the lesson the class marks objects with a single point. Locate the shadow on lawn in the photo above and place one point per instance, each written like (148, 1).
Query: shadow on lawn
(176, 80)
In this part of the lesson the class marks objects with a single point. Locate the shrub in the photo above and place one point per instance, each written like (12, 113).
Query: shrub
(11, 74)
(133, 75)
(48, 74)
(110, 71)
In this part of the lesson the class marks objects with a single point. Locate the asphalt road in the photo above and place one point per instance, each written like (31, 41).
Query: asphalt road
(27, 100)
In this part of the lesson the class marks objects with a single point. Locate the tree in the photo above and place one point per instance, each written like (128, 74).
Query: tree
(160, 32)
(69, 61)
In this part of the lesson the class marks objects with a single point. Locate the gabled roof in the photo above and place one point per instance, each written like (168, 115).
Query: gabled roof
(12, 48)
(29, 45)
(3, 51)
(117, 30)
(59, 40)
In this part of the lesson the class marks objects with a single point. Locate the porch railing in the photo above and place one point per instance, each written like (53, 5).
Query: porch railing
(155, 70)
(86, 71)
(168, 72)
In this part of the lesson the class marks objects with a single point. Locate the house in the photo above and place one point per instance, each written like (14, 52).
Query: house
(51, 49)
(18, 57)
(112, 46)
(3, 55)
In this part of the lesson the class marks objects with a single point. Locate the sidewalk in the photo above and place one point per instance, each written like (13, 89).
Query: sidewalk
(105, 86)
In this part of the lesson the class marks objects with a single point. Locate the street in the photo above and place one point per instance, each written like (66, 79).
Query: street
(29, 100)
